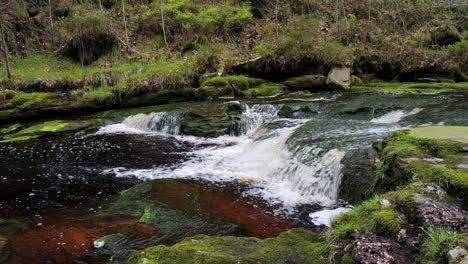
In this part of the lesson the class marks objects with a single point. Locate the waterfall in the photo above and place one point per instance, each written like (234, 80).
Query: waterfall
(165, 123)
(161, 122)
(394, 116)
(253, 117)
(277, 170)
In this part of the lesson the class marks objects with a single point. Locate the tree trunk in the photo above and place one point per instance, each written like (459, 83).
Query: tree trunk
(369, 10)
(50, 14)
(100, 4)
(5, 48)
(125, 23)
(162, 22)
(277, 23)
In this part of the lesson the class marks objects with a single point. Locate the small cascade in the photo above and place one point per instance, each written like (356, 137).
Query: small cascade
(256, 115)
(161, 122)
(165, 123)
(394, 116)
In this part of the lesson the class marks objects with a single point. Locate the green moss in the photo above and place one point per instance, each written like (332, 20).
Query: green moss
(455, 180)
(313, 82)
(142, 203)
(25, 101)
(294, 246)
(265, 89)
(236, 82)
(410, 87)
(49, 128)
(394, 170)
(369, 216)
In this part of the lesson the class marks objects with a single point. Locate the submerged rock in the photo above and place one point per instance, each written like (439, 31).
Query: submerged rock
(4, 249)
(49, 128)
(294, 246)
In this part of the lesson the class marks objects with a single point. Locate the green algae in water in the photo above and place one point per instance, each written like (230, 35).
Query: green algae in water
(457, 133)
(49, 128)
(294, 246)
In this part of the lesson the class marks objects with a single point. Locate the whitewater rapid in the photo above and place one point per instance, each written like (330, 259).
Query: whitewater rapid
(260, 157)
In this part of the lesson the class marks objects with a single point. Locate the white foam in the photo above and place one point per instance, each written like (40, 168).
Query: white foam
(324, 217)
(394, 116)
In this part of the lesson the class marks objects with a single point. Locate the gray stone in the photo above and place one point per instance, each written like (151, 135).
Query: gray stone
(453, 254)
(339, 78)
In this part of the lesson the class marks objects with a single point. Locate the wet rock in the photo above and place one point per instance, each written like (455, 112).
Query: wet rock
(453, 254)
(110, 244)
(234, 109)
(207, 126)
(315, 82)
(339, 78)
(370, 248)
(359, 178)
(4, 249)
(297, 111)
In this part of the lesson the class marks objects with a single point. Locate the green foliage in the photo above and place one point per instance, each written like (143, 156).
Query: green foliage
(369, 216)
(301, 41)
(85, 37)
(189, 24)
(24, 101)
(437, 241)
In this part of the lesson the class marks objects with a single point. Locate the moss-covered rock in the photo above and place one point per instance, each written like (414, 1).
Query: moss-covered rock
(359, 178)
(230, 85)
(294, 246)
(264, 89)
(425, 154)
(315, 82)
(49, 128)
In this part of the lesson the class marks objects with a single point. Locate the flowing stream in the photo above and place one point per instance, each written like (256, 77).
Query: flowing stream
(266, 165)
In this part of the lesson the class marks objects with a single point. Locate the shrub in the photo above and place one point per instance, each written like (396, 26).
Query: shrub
(301, 41)
(86, 36)
(189, 24)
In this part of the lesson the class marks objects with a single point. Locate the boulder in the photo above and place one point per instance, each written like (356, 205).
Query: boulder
(314, 82)
(339, 78)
